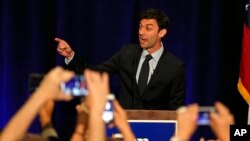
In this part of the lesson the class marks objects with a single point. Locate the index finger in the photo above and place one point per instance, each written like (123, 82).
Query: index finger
(58, 40)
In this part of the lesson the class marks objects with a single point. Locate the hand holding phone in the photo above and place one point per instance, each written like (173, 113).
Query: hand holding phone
(203, 117)
(108, 113)
(75, 86)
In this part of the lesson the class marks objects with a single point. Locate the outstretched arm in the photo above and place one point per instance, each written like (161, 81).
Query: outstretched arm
(45, 117)
(122, 123)
(47, 90)
(72, 60)
(79, 133)
(98, 85)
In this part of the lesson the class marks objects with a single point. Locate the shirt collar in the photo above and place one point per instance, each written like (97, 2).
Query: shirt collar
(156, 55)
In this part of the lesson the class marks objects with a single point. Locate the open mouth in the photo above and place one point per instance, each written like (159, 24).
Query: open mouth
(143, 40)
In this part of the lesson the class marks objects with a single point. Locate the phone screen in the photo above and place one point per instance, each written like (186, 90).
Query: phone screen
(203, 117)
(108, 114)
(75, 87)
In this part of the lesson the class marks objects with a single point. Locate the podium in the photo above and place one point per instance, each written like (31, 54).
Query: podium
(151, 115)
(152, 125)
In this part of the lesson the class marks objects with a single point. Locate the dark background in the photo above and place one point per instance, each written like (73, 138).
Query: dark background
(205, 34)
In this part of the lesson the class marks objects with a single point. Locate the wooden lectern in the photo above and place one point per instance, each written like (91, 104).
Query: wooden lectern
(151, 115)
(152, 125)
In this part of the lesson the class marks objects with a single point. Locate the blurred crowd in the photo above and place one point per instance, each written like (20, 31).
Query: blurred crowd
(89, 123)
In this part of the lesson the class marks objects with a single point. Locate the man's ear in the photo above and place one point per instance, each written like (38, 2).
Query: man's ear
(163, 32)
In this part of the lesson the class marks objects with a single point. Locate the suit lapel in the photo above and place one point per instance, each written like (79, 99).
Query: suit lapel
(136, 61)
(159, 68)
(135, 66)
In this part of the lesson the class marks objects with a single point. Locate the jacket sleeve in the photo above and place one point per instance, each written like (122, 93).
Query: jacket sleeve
(76, 65)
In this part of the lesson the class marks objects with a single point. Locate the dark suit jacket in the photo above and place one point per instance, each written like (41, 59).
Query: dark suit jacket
(165, 90)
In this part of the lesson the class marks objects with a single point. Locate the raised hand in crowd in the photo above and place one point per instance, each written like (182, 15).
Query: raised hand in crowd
(120, 121)
(48, 90)
(220, 122)
(187, 122)
(80, 132)
(45, 116)
(98, 86)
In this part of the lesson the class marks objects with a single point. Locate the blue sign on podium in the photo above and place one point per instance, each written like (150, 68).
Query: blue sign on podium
(150, 130)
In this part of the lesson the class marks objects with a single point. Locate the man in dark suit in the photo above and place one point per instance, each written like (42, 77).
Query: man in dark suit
(164, 74)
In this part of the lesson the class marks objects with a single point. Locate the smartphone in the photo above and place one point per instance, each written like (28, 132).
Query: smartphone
(75, 86)
(204, 115)
(108, 113)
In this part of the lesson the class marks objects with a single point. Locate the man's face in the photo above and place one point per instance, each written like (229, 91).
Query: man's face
(149, 36)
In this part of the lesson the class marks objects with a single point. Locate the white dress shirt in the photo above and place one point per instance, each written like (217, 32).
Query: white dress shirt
(152, 63)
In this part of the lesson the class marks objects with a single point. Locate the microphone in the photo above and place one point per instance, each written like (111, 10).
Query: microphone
(155, 71)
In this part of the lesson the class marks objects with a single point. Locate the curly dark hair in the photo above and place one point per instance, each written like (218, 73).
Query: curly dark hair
(158, 15)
